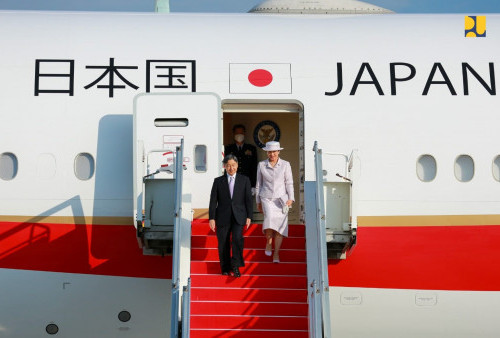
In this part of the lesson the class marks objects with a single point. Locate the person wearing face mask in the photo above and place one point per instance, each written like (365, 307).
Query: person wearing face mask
(246, 154)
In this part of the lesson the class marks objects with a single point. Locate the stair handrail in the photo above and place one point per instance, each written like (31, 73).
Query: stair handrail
(324, 286)
(174, 322)
(314, 311)
(174, 315)
(186, 309)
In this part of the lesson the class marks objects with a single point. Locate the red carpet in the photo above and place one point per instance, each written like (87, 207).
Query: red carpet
(268, 300)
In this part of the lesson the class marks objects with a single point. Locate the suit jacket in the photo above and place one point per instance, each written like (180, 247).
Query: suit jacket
(274, 182)
(247, 160)
(222, 206)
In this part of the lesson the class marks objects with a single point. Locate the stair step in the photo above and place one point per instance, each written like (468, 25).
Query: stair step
(211, 333)
(249, 322)
(269, 300)
(248, 308)
(253, 295)
(202, 229)
(250, 242)
(281, 269)
(261, 282)
(250, 255)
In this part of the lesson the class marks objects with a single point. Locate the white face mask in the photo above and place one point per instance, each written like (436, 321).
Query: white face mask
(239, 138)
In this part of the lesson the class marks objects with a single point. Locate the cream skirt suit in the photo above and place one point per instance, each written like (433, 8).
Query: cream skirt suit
(273, 189)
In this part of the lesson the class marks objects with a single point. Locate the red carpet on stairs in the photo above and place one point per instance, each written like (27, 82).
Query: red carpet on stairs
(268, 300)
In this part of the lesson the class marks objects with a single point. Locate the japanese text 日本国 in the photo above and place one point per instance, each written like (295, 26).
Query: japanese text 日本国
(57, 76)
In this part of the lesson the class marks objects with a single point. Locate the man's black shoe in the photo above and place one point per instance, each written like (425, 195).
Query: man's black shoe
(236, 272)
(225, 273)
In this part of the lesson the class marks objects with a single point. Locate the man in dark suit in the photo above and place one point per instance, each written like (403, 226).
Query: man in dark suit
(229, 211)
(246, 154)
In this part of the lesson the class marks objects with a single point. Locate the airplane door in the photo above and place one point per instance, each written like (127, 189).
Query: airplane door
(160, 121)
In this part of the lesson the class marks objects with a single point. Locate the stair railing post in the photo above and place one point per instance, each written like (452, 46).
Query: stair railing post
(324, 286)
(315, 311)
(186, 309)
(174, 323)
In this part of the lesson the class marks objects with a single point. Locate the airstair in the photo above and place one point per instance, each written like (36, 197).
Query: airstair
(330, 231)
(268, 300)
(289, 299)
(161, 227)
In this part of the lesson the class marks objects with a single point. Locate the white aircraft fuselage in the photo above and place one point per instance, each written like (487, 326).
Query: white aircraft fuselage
(392, 87)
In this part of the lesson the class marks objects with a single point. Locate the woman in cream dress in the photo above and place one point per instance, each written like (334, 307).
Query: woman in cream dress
(274, 195)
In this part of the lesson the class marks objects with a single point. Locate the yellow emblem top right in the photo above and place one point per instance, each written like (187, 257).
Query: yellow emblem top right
(475, 26)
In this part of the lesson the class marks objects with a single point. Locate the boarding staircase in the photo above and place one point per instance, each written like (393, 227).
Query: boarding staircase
(268, 300)
(173, 161)
(289, 299)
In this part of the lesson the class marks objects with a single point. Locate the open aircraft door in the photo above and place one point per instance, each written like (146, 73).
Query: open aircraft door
(161, 121)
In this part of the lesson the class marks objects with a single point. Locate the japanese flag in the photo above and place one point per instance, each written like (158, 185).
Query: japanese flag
(260, 78)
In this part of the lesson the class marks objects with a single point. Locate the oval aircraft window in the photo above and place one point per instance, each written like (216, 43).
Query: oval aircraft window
(496, 168)
(84, 166)
(8, 166)
(464, 168)
(426, 168)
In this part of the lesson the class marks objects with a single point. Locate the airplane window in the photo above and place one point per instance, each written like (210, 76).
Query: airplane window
(8, 166)
(124, 316)
(464, 168)
(84, 166)
(52, 329)
(496, 168)
(426, 168)
(200, 158)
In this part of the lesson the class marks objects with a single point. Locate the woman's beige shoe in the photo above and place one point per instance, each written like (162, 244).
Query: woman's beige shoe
(269, 250)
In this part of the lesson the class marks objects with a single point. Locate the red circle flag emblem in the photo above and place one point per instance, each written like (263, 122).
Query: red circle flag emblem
(260, 77)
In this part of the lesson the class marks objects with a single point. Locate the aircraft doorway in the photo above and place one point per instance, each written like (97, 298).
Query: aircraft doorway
(269, 121)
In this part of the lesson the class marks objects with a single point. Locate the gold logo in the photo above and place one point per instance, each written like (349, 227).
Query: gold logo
(475, 26)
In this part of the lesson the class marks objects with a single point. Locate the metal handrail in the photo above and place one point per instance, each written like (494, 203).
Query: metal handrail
(174, 315)
(322, 257)
(174, 322)
(186, 309)
(315, 311)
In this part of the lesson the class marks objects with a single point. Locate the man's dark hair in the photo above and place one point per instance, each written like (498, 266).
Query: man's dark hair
(230, 157)
(236, 126)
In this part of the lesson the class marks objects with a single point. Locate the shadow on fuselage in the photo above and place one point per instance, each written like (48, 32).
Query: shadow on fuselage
(83, 243)
(114, 245)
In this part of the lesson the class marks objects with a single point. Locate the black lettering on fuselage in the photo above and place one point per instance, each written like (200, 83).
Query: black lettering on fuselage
(491, 89)
(340, 82)
(395, 79)
(395, 68)
(374, 81)
(430, 79)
